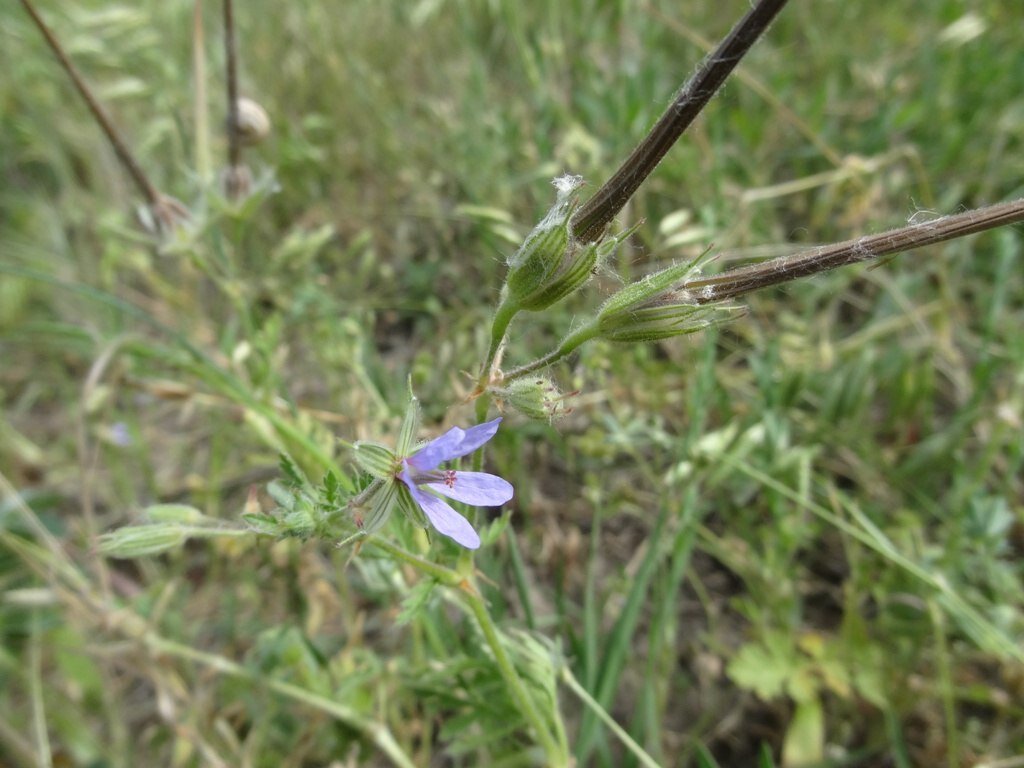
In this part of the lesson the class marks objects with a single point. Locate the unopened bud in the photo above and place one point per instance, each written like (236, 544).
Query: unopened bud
(537, 398)
(142, 540)
(549, 265)
(653, 308)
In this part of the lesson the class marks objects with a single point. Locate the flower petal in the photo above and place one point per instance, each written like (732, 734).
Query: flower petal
(477, 488)
(453, 444)
(445, 519)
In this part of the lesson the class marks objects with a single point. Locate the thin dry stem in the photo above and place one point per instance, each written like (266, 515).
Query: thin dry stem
(124, 154)
(230, 55)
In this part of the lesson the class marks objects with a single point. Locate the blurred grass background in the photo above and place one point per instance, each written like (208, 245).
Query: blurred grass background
(796, 539)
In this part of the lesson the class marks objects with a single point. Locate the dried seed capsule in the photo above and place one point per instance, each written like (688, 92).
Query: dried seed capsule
(253, 122)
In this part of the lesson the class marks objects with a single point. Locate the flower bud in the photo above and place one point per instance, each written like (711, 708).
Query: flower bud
(142, 540)
(652, 309)
(549, 265)
(535, 397)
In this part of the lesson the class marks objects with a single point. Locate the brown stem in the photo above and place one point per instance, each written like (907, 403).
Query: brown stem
(124, 154)
(736, 282)
(590, 220)
(234, 144)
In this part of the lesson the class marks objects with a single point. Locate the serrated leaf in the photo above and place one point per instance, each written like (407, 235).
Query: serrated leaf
(293, 475)
(261, 523)
(332, 489)
(765, 668)
(285, 497)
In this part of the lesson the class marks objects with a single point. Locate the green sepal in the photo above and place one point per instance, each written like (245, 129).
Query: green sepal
(534, 396)
(655, 308)
(536, 261)
(645, 289)
(663, 322)
(410, 427)
(376, 459)
(546, 267)
(381, 503)
(573, 272)
(409, 507)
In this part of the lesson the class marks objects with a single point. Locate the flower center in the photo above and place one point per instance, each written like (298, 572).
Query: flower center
(446, 476)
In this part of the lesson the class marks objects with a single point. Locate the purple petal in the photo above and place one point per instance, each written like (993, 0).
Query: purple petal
(445, 519)
(437, 450)
(452, 445)
(406, 478)
(477, 488)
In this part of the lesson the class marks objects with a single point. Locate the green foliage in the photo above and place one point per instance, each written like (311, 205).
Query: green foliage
(794, 538)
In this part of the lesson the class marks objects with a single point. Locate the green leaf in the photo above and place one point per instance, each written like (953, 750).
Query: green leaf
(416, 600)
(332, 489)
(285, 497)
(293, 475)
(765, 668)
(261, 523)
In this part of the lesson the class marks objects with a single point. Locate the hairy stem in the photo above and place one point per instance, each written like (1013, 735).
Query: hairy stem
(517, 689)
(569, 344)
(445, 576)
(736, 282)
(502, 317)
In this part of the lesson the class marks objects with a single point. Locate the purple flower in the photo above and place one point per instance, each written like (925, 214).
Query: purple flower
(420, 471)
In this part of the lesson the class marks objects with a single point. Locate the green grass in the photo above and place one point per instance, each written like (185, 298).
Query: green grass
(792, 540)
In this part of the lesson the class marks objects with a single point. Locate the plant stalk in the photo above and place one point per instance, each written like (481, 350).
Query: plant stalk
(736, 282)
(554, 753)
(590, 220)
(117, 142)
(568, 346)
